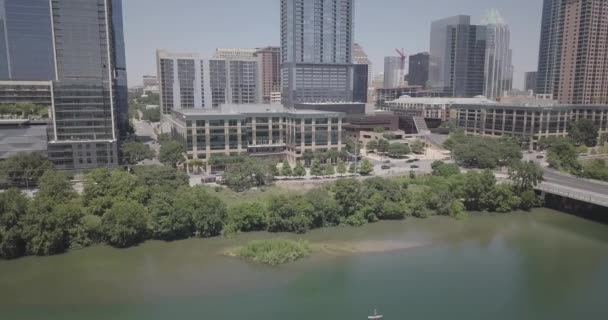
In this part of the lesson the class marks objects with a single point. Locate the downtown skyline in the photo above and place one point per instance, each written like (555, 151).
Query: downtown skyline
(414, 29)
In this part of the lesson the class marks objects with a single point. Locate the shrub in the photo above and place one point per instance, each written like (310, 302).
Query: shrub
(275, 252)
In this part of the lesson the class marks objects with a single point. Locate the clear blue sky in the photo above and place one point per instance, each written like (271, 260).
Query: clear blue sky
(380, 26)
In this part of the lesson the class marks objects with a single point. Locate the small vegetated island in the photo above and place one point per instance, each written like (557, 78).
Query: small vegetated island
(274, 252)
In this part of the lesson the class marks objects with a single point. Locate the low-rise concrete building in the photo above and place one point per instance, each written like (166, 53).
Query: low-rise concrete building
(256, 130)
(528, 123)
(431, 108)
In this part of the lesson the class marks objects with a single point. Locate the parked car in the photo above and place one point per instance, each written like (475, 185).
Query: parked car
(540, 156)
(385, 167)
(415, 167)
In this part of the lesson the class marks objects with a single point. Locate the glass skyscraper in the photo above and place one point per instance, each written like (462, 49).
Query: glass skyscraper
(498, 66)
(90, 102)
(26, 41)
(316, 50)
(79, 46)
(457, 57)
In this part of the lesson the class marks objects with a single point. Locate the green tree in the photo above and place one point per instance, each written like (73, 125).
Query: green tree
(443, 169)
(208, 212)
(563, 155)
(596, 169)
(529, 200)
(348, 193)
(398, 150)
(326, 210)
(290, 214)
(341, 167)
(503, 199)
(417, 147)
(372, 146)
(13, 207)
(353, 146)
(477, 189)
(167, 223)
(299, 170)
(152, 115)
(53, 222)
(316, 169)
(171, 153)
(160, 176)
(248, 217)
(136, 152)
(249, 173)
(351, 168)
(525, 175)
(286, 170)
(56, 186)
(383, 146)
(23, 169)
(366, 168)
(328, 170)
(125, 224)
(583, 132)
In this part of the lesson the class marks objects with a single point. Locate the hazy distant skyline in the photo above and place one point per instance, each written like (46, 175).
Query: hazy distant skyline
(380, 27)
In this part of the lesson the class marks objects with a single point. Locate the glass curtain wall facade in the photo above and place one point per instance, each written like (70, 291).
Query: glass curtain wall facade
(419, 69)
(457, 57)
(498, 66)
(87, 91)
(316, 50)
(392, 72)
(550, 46)
(26, 40)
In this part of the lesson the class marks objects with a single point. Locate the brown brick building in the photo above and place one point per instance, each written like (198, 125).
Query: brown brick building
(270, 65)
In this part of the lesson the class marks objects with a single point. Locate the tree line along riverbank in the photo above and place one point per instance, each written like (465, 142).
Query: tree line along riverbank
(123, 209)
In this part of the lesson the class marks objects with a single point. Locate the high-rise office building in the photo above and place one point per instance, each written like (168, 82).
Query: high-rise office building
(457, 57)
(530, 81)
(360, 57)
(498, 67)
(419, 69)
(269, 59)
(187, 81)
(26, 41)
(316, 50)
(573, 60)
(90, 110)
(392, 72)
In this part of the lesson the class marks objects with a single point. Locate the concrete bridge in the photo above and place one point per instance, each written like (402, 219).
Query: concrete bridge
(568, 186)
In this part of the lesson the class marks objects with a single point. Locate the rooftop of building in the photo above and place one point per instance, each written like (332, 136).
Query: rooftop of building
(444, 101)
(538, 106)
(243, 109)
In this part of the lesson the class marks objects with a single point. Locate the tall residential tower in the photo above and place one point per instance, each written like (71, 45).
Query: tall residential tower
(573, 60)
(187, 81)
(316, 50)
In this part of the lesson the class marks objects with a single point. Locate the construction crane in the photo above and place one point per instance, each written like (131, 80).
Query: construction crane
(403, 56)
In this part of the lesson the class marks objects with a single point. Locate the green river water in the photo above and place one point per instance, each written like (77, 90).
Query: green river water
(539, 265)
